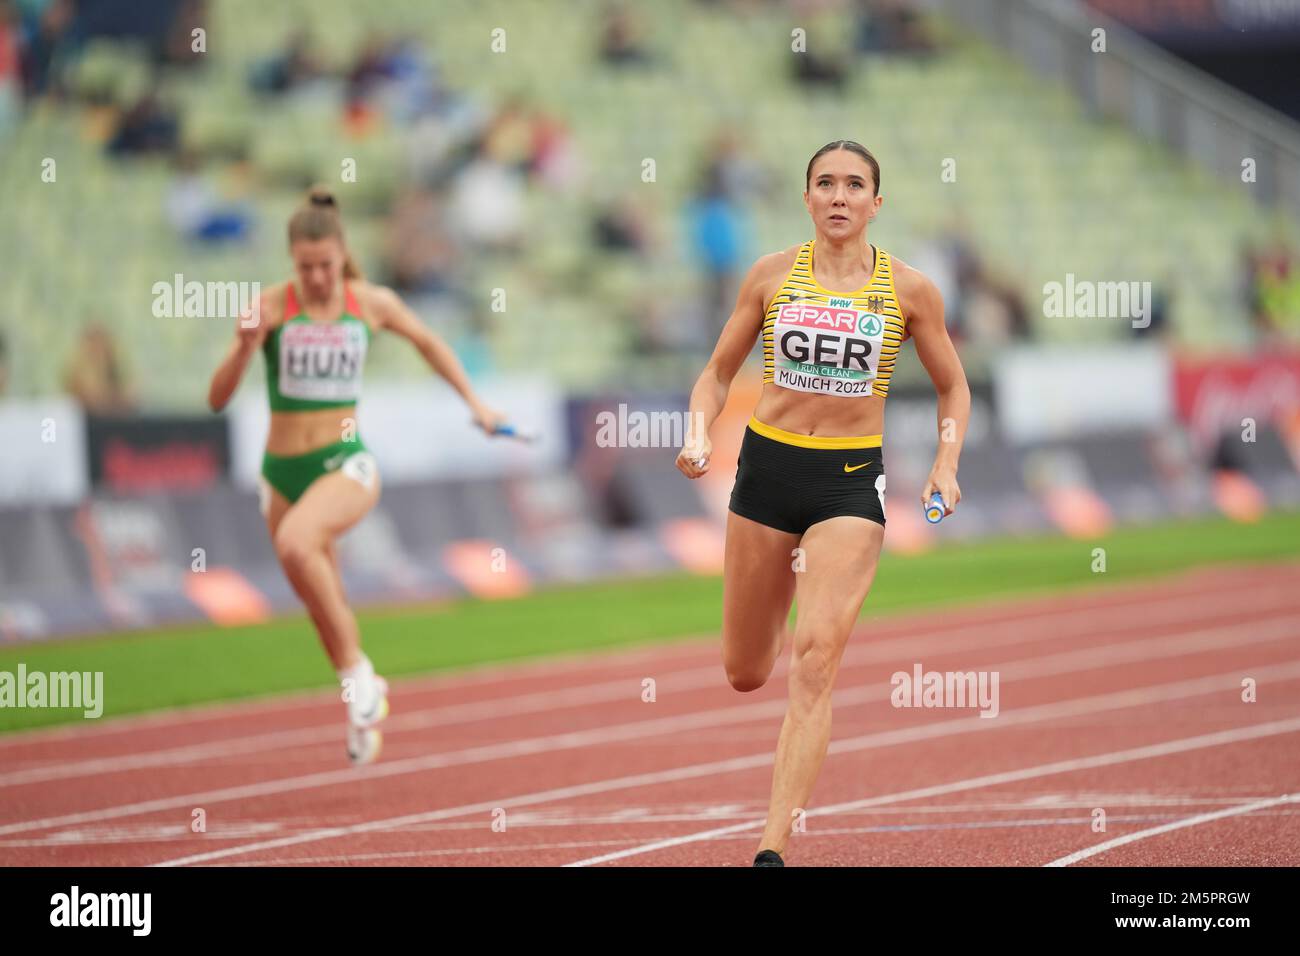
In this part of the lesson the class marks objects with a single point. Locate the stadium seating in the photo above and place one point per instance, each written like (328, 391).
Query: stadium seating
(1043, 189)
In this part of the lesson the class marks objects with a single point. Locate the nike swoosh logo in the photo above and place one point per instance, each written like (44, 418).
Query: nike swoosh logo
(855, 467)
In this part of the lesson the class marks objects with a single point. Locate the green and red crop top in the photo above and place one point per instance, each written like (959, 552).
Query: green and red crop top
(310, 364)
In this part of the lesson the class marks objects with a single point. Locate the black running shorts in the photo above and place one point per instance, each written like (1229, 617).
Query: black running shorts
(790, 481)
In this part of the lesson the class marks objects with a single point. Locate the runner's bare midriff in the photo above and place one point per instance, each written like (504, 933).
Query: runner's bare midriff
(296, 433)
(825, 415)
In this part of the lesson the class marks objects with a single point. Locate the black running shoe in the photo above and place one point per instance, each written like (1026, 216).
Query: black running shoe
(768, 858)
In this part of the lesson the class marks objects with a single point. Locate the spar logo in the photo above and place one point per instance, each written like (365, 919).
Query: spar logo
(836, 340)
(819, 317)
(832, 318)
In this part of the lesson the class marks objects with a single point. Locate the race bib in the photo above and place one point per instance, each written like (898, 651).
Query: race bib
(322, 362)
(833, 348)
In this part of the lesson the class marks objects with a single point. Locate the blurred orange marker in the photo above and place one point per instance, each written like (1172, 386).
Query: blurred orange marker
(1238, 497)
(1077, 511)
(697, 544)
(485, 573)
(226, 596)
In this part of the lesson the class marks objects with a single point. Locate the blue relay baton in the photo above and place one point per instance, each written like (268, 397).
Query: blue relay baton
(934, 510)
(511, 431)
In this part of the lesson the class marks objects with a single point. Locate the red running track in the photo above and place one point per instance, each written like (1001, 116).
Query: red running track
(1119, 704)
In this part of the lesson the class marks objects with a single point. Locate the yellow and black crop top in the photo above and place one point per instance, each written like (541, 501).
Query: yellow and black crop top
(816, 340)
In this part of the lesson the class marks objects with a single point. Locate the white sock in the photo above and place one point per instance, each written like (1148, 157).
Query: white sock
(361, 678)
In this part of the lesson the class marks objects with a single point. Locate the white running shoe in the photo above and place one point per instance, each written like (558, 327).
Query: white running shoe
(365, 740)
(364, 744)
(376, 709)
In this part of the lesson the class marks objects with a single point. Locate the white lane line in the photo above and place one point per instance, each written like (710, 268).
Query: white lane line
(576, 816)
(956, 637)
(1027, 668)
(539, 701)
(1086, 705)
(1041, 666)
(173, 834)
(1168, 827)
(413, 854)
(1113, 597)
(1164, 749)
(461, 677)
(820, 833)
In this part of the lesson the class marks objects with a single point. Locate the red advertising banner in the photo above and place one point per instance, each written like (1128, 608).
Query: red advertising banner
(152, 454)
(1217, 395)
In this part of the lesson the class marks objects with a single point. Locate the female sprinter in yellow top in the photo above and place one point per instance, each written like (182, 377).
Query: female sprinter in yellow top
(317, 478)
(833, 313)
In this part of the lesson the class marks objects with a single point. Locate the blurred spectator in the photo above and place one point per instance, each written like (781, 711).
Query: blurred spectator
(508, 139)
(716, 225)
(444, 138)
(981, 302)
(11, 78)
(814, 69)
(374, 73)
(1158, 321)
(405, 81)
(178, 41)
(556, 163)
(892, 26)
(38, 38)
(196, 212)
(523, 137)
(1271, 287)
(648, 329)
(741, 176)
(295, 65)
(621, 42)
(147, 127)
(1246, 292)
(827, 50)
(933, 258)
(950, 260)
(666, 328)
(729, 179)
(1007, 291)
(995, 310)
(373, 67)
(94, 375)
(48, 22)
(621, 226)
(421, 257)
(487, 203)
